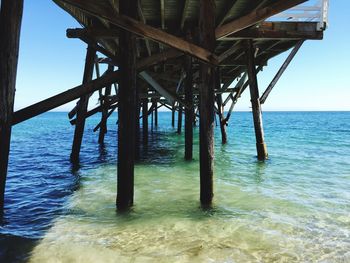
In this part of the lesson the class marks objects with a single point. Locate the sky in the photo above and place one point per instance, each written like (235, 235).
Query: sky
(317, 79)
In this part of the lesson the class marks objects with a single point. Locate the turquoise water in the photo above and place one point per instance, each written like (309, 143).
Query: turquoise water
(292, 208)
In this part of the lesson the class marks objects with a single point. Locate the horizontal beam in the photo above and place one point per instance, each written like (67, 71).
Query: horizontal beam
(147, 31)
(144, 63)
(280, 31)
(64, 97)
(255, 17)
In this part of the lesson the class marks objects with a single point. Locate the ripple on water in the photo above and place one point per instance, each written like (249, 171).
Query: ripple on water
(293, 208)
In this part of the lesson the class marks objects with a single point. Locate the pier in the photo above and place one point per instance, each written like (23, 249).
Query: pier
(193, 57)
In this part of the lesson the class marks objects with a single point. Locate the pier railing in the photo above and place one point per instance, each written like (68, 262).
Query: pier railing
(310, 11)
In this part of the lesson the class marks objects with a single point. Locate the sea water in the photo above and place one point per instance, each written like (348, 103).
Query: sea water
(295, 207)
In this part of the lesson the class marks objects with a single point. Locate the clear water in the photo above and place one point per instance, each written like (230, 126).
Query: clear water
(292, 208)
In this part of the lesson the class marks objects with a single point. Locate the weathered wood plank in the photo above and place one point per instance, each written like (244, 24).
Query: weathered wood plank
(266, 34)
(10, 28)
(138, 28)
(64, 97)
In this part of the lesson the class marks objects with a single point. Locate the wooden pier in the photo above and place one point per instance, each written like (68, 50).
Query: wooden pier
(183, 55)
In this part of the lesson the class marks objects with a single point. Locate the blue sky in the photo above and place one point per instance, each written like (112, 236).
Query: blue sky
(317, 79)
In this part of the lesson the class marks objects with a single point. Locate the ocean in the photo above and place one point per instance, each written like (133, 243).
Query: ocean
(295, 207)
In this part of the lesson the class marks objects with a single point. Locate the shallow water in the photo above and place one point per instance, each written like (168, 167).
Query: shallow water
(292, 208)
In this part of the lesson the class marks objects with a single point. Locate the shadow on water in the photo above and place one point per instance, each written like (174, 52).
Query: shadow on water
(15, 248)
(161, 148)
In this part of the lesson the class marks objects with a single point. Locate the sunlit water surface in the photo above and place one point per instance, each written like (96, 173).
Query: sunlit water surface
(293, 208)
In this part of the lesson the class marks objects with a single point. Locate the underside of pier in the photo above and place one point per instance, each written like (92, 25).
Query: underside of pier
(182, 55)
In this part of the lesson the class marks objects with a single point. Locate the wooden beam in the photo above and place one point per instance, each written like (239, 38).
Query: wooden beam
(82, 106)
(279, 31)
(235, 47)
(255, 17)
(280, 72)
(93, 112)
(221, 110)
(64, 97)
(138, 28)
(10, 28)
(127, 110)
(87, 38)
(256, 108)
(111, 110)
(105, 104)
(152, 60)
(162, 91)
(206, 108)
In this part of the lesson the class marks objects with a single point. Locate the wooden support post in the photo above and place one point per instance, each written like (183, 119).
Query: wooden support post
(256, 107)
(221, 109)
(206, 107)
(82, 107)
(173, 116)
(105, 106)
(126, 112)
(179, 119)
(145, 121)
(10, 28)
(152, 114)
(189, 113)
(155, 114)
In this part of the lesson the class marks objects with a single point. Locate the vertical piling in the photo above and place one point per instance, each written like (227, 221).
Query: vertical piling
(82, 106)
(179, 119)
(173, 116)
(145, 121)
(105, 107)
(155, 103)
(10, 28)
(220, 109)
(127, 109)
(256, 107)
(189, 110)
(206, 108)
